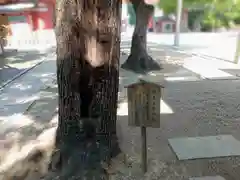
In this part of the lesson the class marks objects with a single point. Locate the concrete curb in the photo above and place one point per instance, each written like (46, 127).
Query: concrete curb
(205, 56)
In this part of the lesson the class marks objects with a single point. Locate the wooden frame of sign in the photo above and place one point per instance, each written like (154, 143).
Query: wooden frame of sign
(144, 99)
(144, 104)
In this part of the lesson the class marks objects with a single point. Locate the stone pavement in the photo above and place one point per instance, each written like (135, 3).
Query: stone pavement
(199, 134)
(15, 63)
(190, 107)
(205, 67)
(20, 94)
(212, 54)
(220, 45)
(199, 109)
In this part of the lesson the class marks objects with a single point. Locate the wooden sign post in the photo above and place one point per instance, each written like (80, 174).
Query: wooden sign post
(144, 110)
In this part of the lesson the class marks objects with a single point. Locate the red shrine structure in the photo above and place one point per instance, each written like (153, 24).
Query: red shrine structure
(28, 15)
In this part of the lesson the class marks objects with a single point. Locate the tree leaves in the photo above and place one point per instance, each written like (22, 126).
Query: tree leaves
(169, 6)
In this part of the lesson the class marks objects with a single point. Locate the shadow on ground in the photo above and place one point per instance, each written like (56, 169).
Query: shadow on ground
(39, 119)
(188, 108)
(35, 94)
(15, 62)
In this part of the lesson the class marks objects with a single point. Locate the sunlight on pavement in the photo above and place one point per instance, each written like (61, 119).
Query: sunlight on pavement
(206, 69)
(21, 86)
(207, 72)
(164, 108)
(27, 99)
(174, 79)
(15, 120)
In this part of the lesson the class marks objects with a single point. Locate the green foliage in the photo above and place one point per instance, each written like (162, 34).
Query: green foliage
(192, 16)
(167, 6)
(211, 21)
(216, 13)
(170, 6)
(222, 14)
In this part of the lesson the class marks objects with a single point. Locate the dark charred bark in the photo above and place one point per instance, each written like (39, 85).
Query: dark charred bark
(88, 51)
(139, 60)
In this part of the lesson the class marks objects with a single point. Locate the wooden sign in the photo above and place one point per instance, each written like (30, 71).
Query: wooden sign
(144, 104)
(144, 110)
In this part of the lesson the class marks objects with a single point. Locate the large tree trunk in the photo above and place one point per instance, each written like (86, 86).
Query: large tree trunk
(139, 60)
(88, 51)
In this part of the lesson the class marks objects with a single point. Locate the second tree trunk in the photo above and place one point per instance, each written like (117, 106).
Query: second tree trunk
(139, 60)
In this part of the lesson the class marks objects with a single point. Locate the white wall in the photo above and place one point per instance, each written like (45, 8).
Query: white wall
(124, 11)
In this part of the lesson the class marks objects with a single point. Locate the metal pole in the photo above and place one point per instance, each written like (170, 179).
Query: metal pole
(144, 149)
(237, 53)
(178, 22)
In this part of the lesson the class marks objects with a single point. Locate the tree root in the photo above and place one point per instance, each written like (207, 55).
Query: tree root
(75, 163)
(83, 161)
(72, 161)
(141, 63)
(27, 167)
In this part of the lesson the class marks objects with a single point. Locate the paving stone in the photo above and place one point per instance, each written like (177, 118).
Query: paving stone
(183, 74)
(234, 72)
(205, 147)
(207, 178)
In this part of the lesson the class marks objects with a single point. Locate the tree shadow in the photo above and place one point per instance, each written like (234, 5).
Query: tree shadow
(176, 103)
(172, 72)
(27, 106)
(14, 63)
(188, 108)
(39, 120)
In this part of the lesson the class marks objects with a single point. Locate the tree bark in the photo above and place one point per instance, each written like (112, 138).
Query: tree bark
(88, 51)
(139, 60)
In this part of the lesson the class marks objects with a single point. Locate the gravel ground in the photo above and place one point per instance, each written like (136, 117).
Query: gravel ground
(201, 108)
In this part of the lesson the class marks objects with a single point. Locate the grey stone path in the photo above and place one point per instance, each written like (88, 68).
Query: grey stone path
(17, 97)
(15, 63)
(205, 147)
(208, 68)
(197, 109)
(208, 178)
(190, 108)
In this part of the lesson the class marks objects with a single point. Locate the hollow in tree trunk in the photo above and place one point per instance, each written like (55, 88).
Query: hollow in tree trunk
(88, 51)
(139, 60)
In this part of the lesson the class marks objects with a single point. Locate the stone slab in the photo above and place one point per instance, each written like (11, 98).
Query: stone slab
(205, 147)
(207, 178)
(183, 74)
(234, 72)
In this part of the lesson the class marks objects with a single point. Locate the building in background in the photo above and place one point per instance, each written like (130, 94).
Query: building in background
(159, 22)
(164, 24)
(26, 19)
